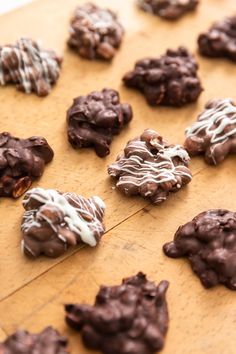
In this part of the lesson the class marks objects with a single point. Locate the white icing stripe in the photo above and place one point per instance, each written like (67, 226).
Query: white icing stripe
(213, 122)
(74, 220)
(33, 64)
(135, 169)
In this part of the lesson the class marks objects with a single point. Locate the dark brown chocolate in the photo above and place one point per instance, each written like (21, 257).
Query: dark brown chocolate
(49, 341)
(30, 67)
(168, 9)
(54, 221)
(170, 80)
(95, 33)
(21, 162)
(151, 167)
(209, 242)
(220, 40)
(129, 318)
(214, 133)
(95, 118)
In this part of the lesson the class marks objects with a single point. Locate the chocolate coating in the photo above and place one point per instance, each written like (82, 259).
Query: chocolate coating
(214, 133)
(21, 162)
(168, 9)
(219, 40)
(95, 118)
(30, 67)
(49, 341)
(129, 318)
(95, 33)
(170, 80)
(209, 242)
(151, 167)
(54, 221)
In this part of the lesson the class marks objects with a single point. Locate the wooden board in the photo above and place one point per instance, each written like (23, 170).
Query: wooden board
(32, 293)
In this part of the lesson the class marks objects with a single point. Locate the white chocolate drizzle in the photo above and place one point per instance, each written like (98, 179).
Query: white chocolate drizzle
(219, 122)
(140, 166)
(33, 64)
(74, 213)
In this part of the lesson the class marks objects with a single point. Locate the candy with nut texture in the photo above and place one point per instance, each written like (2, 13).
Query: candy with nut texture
(209, 243)
(151, 167)
(30, 67)
(128, 318)
(53, 221)
(21, 162)
(49, 341)
(94, 119)
(214, 133)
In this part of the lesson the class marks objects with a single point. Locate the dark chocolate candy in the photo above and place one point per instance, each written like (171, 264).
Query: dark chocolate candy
(209, 242)
(129, 318)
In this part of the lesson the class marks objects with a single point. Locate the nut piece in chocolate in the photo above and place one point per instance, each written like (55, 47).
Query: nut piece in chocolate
(209, 242)
(30, 67)
(95, 118)
(220, 40)
(53, 221)
(214, 133)
(151, 167)
(95, 33)
(128, 318)
(22, 342)
(21, 162)
(168, 9)
(170, 80)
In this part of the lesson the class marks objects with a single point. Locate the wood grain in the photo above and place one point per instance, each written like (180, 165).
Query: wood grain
(32, 292)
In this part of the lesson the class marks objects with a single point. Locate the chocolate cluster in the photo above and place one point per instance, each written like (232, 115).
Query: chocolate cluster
(170, 80)
(168, 9)
(128, 318)
(95, 33)
(219, 40)
(21, 162)
(49, 341)
(30, 67)
(209, 242)
(95, 118)
(214, 133)
(151, 167)
(54, 221)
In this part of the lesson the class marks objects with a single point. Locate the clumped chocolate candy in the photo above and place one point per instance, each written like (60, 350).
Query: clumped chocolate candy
(170, 80)
(95, 33)
(151, 167)
(209, 242)
(95, 118)
(29, 67)
(214, 133)
(21, 162)
(168, 9)
(219, 40)
(22, 342)
(54, 221)
(128, 318)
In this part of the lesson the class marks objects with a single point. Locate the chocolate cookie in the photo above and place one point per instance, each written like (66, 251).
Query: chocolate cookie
(170, 80)
(95, 33)
(168, 9)
(129, 318)
(22, 342)
(151, 167)
(219, 40)
(95, 118)
(214, 133)
(21, 162)
(54, 221)
(209, 242)
(29, 67)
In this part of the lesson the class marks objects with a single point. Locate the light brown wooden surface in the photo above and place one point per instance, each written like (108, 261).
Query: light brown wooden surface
(32, 293)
